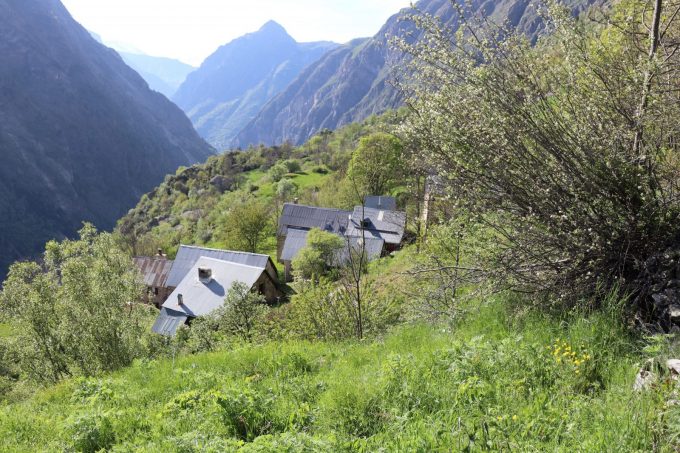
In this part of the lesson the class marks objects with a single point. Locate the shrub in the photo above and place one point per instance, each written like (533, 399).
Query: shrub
(92, 432)
(277, 172)
(318, 256)
(293, 165)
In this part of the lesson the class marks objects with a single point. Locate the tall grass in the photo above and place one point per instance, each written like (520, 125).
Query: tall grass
(493, 382)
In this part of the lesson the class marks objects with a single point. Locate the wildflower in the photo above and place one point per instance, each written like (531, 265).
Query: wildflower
(514, 417)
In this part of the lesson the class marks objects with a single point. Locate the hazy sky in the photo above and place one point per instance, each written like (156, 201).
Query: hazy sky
(190, 30)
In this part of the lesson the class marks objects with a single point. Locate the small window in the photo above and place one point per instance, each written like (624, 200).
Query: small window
(261, 288)
(155, 291)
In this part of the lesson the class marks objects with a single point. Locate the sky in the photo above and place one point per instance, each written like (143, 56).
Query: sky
(190, 30)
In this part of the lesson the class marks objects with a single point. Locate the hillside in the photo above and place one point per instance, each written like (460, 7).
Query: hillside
(193, 205)
(231, 86)
(82, 136)
(354, 81)
(491, 382)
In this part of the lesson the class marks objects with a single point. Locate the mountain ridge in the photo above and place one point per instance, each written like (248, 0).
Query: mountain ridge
(233, 83)
(352, 82)
(82, 135)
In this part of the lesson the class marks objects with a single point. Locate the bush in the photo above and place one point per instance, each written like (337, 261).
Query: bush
(75, 312)
(277, 172)
(293, 165)
(92, 432)
(318, 257)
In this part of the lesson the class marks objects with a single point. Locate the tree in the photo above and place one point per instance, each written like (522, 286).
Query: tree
(551, 146)
(241, 311)
(377, 165)
(277, 172)
(75, 312)
(286, 189)
(318, 256)
(247, 223)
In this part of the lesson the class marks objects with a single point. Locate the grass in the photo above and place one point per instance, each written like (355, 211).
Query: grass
(303, 179)
(493, 382)
(5, 330)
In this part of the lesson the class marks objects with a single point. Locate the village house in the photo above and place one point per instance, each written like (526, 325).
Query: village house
(200, 278)
(376, 228)
(155, 271)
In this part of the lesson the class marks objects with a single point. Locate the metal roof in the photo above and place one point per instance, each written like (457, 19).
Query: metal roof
(373, 248)
(388, 225)
(295, 241)
(380, 202)
(168, 321)
(188, 255)
(155, 270)
(203, 298)
(308, 217)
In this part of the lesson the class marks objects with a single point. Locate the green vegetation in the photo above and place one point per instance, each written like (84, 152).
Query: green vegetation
(316, 258)
(498, 380)
(204, 204)
(518, 320)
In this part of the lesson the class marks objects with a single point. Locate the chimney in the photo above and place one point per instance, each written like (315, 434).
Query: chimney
(180, 300)
(296, 200)
(204, 275)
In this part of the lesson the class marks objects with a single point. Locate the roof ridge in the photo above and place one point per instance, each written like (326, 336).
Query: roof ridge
(228, 262)
(222, 250)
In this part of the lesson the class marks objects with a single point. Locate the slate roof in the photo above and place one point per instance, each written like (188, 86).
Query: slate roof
(187, 256)
(388, 225)
(155, 270)
(380, 202)
(295, 241)
(201, 298)
(308, 217)
(168, 322)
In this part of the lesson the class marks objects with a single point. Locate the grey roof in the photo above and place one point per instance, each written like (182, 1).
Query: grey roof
(168, 321)
(155, 270)
(373, 248)
(388, 225)
(295, 241)
(201, 298)
(380, 202)
(308, 217)
(188, 255)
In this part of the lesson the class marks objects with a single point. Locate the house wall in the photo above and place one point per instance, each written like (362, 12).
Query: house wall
(288, 270)
(280, 240)
(268, 288)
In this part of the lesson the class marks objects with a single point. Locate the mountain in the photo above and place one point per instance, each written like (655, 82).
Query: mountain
(352, 82)
(82, 137)
(164, 75)
(233, 84)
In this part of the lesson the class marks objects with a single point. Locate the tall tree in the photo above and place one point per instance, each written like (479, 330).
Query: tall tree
(377, 164)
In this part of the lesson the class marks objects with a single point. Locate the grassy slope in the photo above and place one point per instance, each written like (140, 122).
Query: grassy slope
(492, 382)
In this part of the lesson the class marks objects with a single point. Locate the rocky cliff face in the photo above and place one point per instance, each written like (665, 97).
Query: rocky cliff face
(82, 137)
(352, 82)
(233, 84)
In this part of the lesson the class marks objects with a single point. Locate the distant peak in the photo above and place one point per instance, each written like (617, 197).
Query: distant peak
(273, 26)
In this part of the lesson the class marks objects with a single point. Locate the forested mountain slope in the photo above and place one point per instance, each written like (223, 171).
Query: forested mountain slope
(82, 137)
